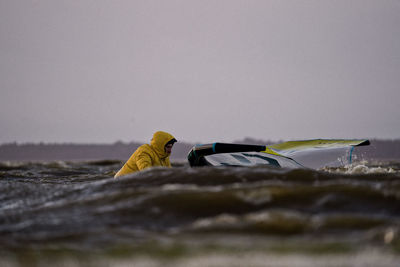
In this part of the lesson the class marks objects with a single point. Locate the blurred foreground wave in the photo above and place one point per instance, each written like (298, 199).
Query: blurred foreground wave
(77, 214)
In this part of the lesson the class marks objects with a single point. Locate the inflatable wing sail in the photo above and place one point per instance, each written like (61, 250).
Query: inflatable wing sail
(223, 154)
(293, 154)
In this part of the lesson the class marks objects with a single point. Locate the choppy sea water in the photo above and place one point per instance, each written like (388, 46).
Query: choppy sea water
(76, 214)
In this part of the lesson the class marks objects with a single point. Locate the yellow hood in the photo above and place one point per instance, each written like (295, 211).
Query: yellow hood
(158, 142)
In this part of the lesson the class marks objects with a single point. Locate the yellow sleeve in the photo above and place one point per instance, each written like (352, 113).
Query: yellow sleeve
(143, 161)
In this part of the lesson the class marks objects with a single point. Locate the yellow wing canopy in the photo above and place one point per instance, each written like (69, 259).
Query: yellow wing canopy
(292, 147)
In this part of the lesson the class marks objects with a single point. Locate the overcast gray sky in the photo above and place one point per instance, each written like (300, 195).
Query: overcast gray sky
(208, 70)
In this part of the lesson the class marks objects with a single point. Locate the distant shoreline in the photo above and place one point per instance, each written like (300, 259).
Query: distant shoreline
(378, 150)
(75, 152)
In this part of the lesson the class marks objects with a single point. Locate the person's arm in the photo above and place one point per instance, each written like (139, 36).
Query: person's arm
(144, 161)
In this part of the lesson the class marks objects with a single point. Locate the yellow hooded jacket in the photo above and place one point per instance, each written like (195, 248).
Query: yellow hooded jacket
(148, 155)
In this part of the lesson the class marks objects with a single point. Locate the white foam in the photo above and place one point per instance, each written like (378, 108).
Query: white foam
(361, 168)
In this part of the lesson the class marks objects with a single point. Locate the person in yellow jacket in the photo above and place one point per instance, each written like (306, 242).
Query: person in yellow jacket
(148, 155)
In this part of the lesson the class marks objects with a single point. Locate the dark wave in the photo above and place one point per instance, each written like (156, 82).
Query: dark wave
(72, 202)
